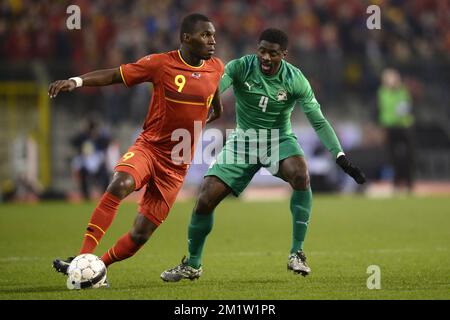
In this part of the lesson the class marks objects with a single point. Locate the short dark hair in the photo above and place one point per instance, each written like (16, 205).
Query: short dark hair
(188, 23)
(275, 36)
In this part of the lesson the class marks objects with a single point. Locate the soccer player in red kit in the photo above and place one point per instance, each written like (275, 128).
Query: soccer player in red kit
(185, 85)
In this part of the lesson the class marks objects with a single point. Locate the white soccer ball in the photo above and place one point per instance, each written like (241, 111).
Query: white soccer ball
(86, 271)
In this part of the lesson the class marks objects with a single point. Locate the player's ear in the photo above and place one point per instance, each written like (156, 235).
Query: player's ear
(284, 54)
(186, 37)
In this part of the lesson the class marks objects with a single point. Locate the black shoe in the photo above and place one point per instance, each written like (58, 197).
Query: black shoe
(62, 265)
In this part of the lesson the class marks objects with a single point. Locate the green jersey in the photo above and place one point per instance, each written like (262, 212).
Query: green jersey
(395, 107)
(267, 102)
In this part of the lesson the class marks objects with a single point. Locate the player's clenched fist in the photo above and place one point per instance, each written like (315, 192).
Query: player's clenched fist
(61, 85)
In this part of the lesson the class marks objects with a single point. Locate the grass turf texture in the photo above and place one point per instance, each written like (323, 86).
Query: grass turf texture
(246, 254)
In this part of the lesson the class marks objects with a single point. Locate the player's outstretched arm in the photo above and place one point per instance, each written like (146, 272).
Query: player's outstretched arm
(92, 79)
(330, 141)
(217, 108)
(350, 169)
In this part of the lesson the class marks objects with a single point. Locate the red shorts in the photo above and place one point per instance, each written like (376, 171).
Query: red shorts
(162, 181)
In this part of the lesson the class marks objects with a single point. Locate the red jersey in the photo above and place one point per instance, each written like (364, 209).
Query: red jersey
(182, 94)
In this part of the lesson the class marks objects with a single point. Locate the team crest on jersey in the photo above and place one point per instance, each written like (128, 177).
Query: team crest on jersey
(196, 75)
(282, 95)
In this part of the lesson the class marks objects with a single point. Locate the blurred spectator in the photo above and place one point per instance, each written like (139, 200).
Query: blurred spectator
(26, 186)
(329, 41)
(395, 115)
(91, 167)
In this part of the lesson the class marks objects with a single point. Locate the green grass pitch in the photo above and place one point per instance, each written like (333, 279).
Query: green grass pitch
(246, 253)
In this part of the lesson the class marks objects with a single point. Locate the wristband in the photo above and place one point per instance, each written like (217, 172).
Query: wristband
(340, 154)
(78, 81)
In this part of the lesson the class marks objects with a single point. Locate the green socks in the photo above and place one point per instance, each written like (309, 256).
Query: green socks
(199, 228)
(201, 225)
(301, 204)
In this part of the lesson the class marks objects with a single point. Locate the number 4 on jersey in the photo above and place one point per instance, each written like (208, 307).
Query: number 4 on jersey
(263, 103)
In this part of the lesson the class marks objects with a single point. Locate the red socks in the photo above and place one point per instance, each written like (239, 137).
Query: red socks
(101, 219)
(123, 249)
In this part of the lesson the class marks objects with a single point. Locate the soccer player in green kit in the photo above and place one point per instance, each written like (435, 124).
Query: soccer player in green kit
(266, 88)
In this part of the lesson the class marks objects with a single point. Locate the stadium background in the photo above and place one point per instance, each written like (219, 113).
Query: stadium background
(245, 257)
(329, 41)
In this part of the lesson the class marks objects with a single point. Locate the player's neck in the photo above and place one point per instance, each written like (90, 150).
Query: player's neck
(275, 71)
(189, 58)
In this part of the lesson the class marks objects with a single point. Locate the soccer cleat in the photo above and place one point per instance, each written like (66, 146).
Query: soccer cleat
(181, 271)
(62, 265)
(297, 263)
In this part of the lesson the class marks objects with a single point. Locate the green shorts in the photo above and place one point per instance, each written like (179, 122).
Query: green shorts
(236, 166)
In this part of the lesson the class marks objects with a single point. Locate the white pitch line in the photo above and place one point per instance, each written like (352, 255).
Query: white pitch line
(320, 253)
(14, 259)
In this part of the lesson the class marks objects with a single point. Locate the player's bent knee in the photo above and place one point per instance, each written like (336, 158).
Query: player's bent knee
(212, 191)
(140, 238)
(300, 181)
(204, 205)
(122, 185)
(142, 229)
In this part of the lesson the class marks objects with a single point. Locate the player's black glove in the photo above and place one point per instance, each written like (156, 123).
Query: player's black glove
(350, 169)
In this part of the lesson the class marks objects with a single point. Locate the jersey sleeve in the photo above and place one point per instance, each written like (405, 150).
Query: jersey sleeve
(231, 72)
(305, 94)
(311, 108)
(143, 70)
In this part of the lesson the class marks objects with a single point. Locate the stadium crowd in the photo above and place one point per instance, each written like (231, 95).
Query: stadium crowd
(329, 38)
(329, 41)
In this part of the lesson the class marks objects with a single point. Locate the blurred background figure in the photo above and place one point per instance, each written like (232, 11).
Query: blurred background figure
(396, 117)
(90, 166)
(25, 185)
